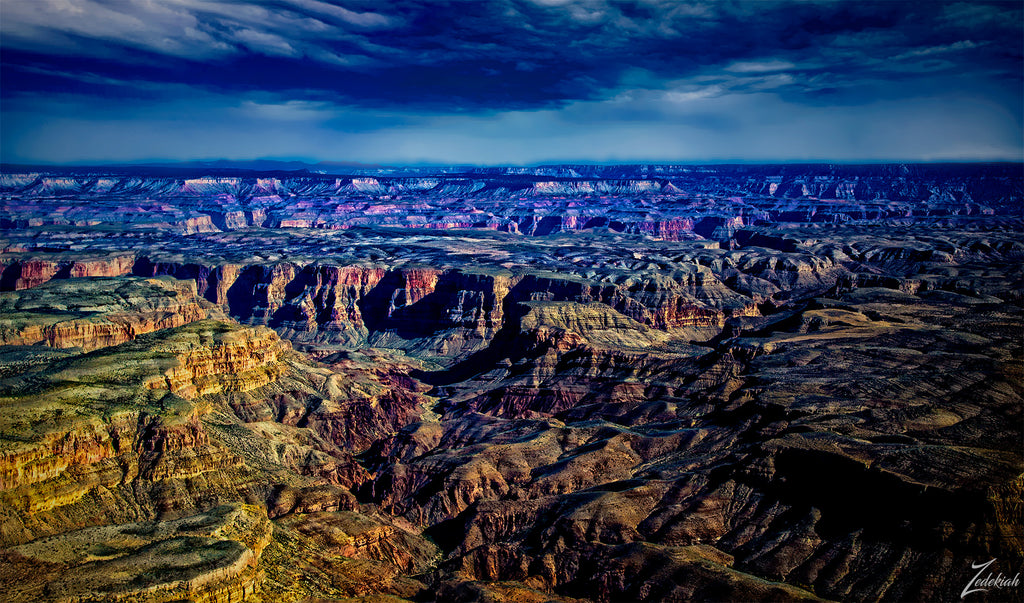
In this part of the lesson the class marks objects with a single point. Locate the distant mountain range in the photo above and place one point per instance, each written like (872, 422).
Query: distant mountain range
(225, 167)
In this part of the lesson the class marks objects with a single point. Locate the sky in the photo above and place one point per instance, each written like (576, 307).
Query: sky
(515, 82)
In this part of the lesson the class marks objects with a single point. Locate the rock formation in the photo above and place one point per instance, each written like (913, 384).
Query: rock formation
(566, 384)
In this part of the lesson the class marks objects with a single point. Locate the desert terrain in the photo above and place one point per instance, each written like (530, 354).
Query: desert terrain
(565, 383)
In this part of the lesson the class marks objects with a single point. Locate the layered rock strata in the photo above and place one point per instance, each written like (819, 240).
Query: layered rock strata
(147, 470)
(99, 313)
(777, 387)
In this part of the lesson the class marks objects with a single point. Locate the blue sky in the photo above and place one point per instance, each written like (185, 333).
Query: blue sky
(510, 81)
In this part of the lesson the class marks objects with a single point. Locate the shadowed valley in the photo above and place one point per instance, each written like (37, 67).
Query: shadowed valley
(574, 383)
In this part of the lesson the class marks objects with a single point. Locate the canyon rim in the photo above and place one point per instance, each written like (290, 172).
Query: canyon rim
(511, 301)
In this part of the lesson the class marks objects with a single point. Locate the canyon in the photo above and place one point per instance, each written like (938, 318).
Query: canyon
(562, 383)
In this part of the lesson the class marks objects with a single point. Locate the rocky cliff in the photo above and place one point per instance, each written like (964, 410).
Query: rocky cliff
(116, 464)
(572, 385)
(673, 203)
(100, 313)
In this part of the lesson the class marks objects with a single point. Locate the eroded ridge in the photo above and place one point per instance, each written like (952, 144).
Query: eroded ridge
(804, 392)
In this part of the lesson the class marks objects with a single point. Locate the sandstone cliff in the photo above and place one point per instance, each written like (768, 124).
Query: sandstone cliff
(99, 313)
(115, 465)
(640, 399)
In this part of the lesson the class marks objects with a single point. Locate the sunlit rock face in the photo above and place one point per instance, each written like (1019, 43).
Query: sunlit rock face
(572, 384)
(151, 468)
(95, 313)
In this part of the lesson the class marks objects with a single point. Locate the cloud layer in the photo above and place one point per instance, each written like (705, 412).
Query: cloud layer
(542, 79)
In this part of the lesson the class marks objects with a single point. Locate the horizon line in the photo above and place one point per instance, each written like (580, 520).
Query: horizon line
(307, 164)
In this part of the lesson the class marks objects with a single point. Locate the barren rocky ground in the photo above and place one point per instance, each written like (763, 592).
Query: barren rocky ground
(574, 384)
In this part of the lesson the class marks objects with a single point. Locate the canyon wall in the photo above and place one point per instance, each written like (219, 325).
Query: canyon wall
(571, 384)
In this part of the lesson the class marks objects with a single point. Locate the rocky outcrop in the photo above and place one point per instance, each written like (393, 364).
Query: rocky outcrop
(450, 312)
(96, 313)
(361, 537)
(124, 464)
(213, 556)
(777, 386)
(678, 204)
(116, 490)
(234, 361)
(25, 274)
(766, 465)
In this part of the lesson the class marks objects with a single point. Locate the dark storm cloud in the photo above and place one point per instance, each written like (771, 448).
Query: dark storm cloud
(510, 80)
(495, 55)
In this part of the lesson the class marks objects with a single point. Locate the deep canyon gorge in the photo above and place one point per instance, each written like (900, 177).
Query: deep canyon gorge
(565, 383)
